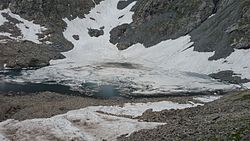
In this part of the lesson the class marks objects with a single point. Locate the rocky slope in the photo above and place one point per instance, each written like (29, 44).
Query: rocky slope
(215, 25)
(225, 119)
(153, 22)
(49, 14)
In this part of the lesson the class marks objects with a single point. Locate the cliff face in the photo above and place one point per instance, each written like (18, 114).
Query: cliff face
(226, 31)
(42, 10)
(215, 25)
(156, 20)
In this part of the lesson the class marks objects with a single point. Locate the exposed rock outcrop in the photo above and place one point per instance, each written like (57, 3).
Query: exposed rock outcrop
(27, 54)
(226, 31)
(49, 13)
(215, 25)
(95, 32)
(157, 20)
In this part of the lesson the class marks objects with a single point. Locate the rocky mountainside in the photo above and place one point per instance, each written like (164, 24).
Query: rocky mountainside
(216, 27)
(153, 21)
(49, 14)
(161, 63)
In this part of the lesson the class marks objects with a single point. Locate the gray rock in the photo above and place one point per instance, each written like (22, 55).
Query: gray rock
(123, 4)
(229, 76)
(76, 37)
(27, 54)
(224, 119)
(49, 13)
(157, 20)
(95, 32)
(226, 31)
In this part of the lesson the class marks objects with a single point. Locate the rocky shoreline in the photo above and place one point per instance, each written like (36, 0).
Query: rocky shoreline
(23, 106)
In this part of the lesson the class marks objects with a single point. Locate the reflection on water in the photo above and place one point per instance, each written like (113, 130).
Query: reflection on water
(89, 89)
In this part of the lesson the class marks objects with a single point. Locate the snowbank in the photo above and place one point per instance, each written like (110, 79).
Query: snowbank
(207, 99)
(29, 30)
(94, 123)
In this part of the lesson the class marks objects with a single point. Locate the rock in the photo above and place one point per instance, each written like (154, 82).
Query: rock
(157, 20)
(95, 32)
(27, 54)
(222, 119)
(153, 21)
(226, 31)
(123, 4)
(49, 13)
(76, 37)
(117, 33)
(229, 76)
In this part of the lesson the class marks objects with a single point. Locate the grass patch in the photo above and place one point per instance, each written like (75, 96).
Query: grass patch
(243, 96)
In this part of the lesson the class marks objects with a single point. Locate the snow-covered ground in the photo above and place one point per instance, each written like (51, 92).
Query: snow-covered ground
(29, 30)
(170, 66)
(206, 99)
(94, 123)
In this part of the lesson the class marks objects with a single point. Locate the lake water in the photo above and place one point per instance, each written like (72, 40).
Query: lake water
(88, 89)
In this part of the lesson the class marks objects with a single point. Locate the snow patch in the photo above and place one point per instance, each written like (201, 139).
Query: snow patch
(28, 29)
(87, 124)
(137, 109)
(211, 16)
(2, 18)
(2, 138)
(247, 85)
(207, 99)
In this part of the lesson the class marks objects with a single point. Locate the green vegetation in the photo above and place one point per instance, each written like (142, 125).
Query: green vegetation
(244, 96)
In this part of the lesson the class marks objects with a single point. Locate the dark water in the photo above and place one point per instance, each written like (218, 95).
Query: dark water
(87, 89)
(92, 90)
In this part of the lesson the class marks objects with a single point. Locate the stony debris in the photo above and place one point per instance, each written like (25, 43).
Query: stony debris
(26, 54)
(223, 119)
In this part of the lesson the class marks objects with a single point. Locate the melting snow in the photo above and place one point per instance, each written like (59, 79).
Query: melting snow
(137, 109)
(207, 99)
(86, 124)
(2, 19)
(211, 16)
(2, 138)
(28, 29)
